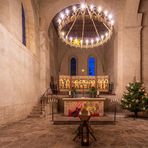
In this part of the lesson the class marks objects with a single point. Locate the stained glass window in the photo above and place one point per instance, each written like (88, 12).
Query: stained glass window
(73, 67)
(91, 66)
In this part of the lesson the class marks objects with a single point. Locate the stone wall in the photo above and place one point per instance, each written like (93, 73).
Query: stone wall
(19, 66)
(53, 44)
(82, 55)
(10, 17)
(19, 79)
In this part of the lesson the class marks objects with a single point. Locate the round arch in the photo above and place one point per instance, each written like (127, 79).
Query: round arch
(93, 59)
(69, 63)
(30, 25)
(48, 14)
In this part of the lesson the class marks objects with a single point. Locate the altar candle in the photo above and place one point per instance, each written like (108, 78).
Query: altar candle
(69, 93)
(80, 113)
(98, 92)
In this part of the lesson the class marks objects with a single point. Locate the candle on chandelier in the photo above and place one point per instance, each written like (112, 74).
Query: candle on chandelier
(99, 9)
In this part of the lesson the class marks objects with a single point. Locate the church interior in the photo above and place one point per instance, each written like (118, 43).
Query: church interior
(73, 73)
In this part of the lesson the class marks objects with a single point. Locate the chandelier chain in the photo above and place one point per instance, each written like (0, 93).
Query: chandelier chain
(93, 22)
(83, 27)
(73, 24)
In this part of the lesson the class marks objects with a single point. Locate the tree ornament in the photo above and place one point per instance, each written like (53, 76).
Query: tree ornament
(135, 99)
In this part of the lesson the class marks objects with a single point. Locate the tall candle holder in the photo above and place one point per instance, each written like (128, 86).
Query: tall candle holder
(98, 93)
(69, 93)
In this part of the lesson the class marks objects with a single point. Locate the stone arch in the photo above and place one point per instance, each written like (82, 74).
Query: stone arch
(69, 63)
(48, 9)
(47, 12)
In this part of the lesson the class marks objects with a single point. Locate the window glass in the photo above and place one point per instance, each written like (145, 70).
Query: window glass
(91, 66)
(73, 66)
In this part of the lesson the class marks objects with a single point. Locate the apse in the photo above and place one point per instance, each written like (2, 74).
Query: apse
(84, 30)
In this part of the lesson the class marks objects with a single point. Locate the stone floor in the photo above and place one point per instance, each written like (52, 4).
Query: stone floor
(40, 133)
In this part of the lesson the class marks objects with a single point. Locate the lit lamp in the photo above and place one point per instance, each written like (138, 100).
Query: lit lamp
(69, 93)
(67, 22)
(85, 127)
(83, 70)
(98, 92)
(85, 137)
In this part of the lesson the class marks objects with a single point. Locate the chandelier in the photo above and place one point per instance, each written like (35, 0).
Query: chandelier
(84, 25)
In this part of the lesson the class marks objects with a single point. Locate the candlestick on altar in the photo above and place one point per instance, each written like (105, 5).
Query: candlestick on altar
(83, 90)
(69, 93)
(98, 92)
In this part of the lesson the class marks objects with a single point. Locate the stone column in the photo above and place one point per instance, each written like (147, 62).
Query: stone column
(118, 66)
(44, 61)
(131, 54)
(132, 42)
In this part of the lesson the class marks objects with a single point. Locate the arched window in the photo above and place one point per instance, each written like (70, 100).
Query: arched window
(23, 27)
(73, 66)
(91, 66)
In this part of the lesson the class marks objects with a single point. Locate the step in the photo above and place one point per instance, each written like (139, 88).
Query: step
(33, 116)
(36, 109)
(37, 112)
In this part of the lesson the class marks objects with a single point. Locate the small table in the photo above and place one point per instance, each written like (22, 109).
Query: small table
(84, 130)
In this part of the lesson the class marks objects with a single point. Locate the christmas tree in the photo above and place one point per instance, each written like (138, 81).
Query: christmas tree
(135, 98)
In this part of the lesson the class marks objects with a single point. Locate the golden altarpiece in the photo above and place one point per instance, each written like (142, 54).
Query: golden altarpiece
(83, 83)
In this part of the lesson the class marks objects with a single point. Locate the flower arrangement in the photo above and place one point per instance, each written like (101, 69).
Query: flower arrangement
(73, 92)
(92, 92)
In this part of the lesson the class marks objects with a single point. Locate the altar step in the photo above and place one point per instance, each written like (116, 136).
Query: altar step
(42, 110)
(37, 111)
(78, 122)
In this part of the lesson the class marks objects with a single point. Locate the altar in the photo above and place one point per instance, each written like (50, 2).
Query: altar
(95, 106)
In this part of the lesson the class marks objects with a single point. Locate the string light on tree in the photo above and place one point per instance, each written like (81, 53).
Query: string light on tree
(135, 98)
